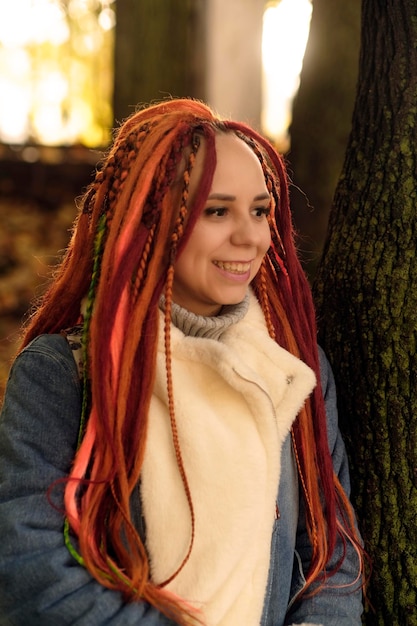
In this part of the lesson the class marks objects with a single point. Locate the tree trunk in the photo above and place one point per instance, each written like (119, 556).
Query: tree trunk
(322, 115)
(159, 52)
(366, 293)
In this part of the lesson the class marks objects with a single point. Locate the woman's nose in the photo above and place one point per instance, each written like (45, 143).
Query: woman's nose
(244, 232)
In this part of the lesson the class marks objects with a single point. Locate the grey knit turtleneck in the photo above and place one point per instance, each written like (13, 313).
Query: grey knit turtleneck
(209, 327)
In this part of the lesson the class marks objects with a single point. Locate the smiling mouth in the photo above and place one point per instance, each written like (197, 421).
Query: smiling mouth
(235, 268)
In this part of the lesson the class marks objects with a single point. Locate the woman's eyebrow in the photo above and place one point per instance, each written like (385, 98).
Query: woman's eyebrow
(262, 196)
(228, 198)
(221, 196)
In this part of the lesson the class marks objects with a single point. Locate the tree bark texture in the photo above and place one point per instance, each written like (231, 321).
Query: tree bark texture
(366, 294)
(159, 52)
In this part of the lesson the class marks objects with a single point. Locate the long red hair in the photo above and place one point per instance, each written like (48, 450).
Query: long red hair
(133, 221)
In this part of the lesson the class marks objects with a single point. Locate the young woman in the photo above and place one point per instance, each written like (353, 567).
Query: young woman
(169, 449)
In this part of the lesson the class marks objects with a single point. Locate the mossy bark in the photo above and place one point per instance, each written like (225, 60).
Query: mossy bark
(366, 294)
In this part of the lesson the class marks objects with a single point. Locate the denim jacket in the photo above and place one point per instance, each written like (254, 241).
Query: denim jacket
(40, 582)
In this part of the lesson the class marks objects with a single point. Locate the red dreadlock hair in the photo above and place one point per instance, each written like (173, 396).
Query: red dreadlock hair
(133, 221)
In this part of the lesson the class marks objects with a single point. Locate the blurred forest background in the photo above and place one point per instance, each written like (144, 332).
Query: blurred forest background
(118, 54)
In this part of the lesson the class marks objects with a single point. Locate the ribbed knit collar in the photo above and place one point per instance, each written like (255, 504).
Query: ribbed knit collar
(213, 327)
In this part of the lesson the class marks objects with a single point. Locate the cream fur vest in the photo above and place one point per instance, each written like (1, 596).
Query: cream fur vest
(235, 401)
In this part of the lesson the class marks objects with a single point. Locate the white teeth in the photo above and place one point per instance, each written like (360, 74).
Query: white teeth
(238, 268)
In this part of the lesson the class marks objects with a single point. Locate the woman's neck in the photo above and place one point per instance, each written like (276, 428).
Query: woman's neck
(208, 327)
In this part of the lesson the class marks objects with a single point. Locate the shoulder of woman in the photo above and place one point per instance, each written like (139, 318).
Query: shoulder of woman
(42, 401)
(54, 348)
(327, 384)
(330, 398)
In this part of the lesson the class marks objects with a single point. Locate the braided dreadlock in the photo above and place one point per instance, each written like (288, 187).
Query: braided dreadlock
(133, 222)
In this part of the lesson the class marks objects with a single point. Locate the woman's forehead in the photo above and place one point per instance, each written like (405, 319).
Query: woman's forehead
(230, 151)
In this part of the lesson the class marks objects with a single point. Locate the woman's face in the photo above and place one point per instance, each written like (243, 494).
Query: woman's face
(231, 236)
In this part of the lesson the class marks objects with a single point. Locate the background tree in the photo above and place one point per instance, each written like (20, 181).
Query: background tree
(159, 52)
(322, 116)
(366, 295)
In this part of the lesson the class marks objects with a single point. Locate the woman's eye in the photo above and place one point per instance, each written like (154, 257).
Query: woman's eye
(262, 211)
(216, 211)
